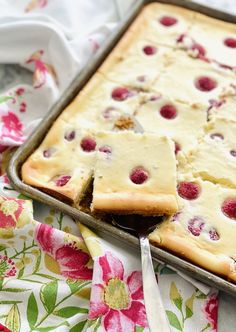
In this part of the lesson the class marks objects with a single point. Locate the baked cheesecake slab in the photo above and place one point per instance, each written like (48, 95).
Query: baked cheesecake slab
(134, 173)
(204, 229)
(181, 122)
(63, 163)
(214, 159)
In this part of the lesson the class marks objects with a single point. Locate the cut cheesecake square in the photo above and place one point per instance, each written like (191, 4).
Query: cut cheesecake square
(134, 173)
(63, 163)
(204, 229)
(214, 159)
(162, 23)
(138, 66)
(191, 80)
(181, 122)
(213, 39)
(101, 103)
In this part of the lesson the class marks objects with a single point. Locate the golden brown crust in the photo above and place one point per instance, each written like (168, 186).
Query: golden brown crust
(184, 247)
(130, 203)
(29, 176)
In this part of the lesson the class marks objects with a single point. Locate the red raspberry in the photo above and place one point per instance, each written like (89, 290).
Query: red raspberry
(139, 175)
(213, 234)
(217, 136)
(120, 94)
(177, 148)
(230, 42)
(149, 50)
(70, 136)
(47, 153)
(105, 149)
(201, 50)
(233, 153)
(108, 112)
(195, 225)
(188, 190)
(168, 111)
(62, 180)
(205, 84)
(168, 21)
(229, 208)
(88, 144)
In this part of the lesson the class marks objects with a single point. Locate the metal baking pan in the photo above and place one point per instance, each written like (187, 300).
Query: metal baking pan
(103, 227)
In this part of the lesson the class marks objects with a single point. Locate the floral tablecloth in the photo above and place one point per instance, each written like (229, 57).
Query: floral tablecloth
(55, 274)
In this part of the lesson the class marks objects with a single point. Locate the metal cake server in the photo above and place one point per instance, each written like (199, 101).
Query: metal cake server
(155, 311)
(142, 226)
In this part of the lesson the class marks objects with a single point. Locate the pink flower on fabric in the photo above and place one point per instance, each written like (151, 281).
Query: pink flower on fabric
(94, 44)
(11, 127)
(33, 4)
(210, 310)
(72, 260)
(4, 328)
(7, 267)
(41, 69)
(10, 211)
(117, 299)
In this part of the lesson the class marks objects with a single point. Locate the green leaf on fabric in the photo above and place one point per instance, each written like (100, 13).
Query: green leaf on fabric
(47, 276)
(139, 329)
(21, 272)
(189, 313)
(201, 296)
(189, 306)
(175, 296)
(78, 327)
(10, 302)
(68, 312)
(76, 285)
(48, 295)
(24, 197)
(12, 321)
(2, 247)
(32, 311)
(15, 290)
(38, 262)
(173, 319)
(3, 99)
(95, 323)
(1, 283)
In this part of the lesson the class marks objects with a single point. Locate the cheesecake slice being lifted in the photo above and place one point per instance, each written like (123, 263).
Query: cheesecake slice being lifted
(135, 173)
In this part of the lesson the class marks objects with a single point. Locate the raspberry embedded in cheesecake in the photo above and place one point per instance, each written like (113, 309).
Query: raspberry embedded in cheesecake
(216, 38)
(201, 234)
(214, 157)
(191, 80)
(141, 63)
(101, 103)
(134, 177)
(162, 23)
(164, 116)
(63, 163)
